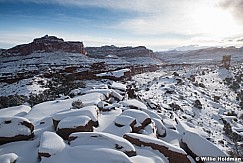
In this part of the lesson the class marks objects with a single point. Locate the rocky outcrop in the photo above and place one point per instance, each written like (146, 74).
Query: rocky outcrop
(46, 44)
(115, 75)
(9, 158)
(105, 140)
(172, 152)
(90, 111)
(106, 51)
(74, 124)
(196, 145)
(46, 148)
(15, 129)
(125, 120)
(127, 117)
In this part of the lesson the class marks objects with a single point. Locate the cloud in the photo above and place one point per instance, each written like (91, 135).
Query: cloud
(157, 17)
(240, 40)
(235, 7)
(151, 23)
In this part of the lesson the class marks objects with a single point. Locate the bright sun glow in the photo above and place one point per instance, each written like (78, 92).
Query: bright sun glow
(214, 21)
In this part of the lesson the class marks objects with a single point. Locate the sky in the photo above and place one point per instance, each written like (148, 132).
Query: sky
(157, 24)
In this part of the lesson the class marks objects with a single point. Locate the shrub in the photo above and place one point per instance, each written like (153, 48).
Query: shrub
(231, 113)
(77, 104)
(197, 104)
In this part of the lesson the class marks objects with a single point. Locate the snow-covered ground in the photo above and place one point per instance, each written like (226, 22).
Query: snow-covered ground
(24, 87)
(176, 116)
(205, 84)
(60, 60)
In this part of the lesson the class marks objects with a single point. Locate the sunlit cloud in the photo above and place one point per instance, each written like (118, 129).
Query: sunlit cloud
(198, 18)
(158, 24)
(235, 7)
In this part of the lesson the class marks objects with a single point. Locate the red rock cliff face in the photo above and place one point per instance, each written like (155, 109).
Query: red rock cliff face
(102, 52)
(47, 44)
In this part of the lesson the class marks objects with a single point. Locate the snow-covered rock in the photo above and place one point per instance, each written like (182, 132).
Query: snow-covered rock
(89, 154)
(8, 158)
(140, 116)
(105, 92)
(133, 104)
(90, 111)
(119, 86)
(125, 120)
(15, 129)
(196, 146)
(173, 153)
(142, 119)
(116, 74)
(42, 110)
(150, 130)
(73, 124)
(102, 139)
(161, 130)
(50, 144)
(108, 93)
(151, 113)
(145, 156)
(170, 124)
(20, 111)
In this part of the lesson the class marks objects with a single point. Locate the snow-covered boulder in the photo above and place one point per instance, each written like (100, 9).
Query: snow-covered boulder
(119, 86)
(152, 104)
(116, 95)
(169, 123)
(115, 75)
(140, 116)
(161, 130)
(73, 124)
(8, 158)
(91, 98)
(42, 110)
(125, 120)
(133, 104)
(105, 92)
(196, 146)
(15, 129)
(105, 106)
(102, 139)
(90, 111)
(151, 113)
(108, 93)
(20, 111)
(175, 154)
(146, 156)
(89, 154)
(50, 144)
(150, 130)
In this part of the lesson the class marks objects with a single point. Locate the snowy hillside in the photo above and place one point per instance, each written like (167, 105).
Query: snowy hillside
(119, 105)
(201, 98)
(161, 117)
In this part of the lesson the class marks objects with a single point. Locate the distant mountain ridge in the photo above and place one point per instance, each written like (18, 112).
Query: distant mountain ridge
(189, 47)
(46, 44)
(212, 54)
(106, 51)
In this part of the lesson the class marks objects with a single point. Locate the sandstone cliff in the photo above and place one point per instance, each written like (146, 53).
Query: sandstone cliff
(107, 51)
(46, 44)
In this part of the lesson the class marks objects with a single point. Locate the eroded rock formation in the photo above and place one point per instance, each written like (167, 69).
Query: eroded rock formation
(46, 44)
